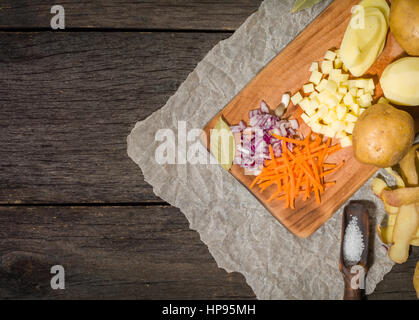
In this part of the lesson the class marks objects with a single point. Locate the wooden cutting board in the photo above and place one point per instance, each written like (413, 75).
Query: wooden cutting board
(288, 72)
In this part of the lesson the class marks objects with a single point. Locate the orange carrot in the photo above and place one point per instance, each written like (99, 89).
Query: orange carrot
(300, 171)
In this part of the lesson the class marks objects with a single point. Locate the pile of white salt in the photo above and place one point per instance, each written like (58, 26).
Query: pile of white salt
(353, 242)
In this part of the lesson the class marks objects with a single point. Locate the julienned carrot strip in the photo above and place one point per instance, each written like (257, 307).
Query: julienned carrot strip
(325, 173)
(300, 171)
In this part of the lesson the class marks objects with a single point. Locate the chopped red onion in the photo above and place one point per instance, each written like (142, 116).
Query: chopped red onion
(256, 138)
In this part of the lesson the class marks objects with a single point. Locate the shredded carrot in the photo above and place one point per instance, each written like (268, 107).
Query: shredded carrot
(300, 171)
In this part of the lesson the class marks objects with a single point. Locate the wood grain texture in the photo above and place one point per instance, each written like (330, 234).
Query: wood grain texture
(123, 252)
(226, 15)
(288, 72)
(398, 283)
(68, 102)
(109, 253)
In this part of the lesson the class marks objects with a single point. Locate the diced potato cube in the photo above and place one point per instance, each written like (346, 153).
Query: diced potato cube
(353, 92)
(323, 96)
(341, 134)
(296, 98)
(315, 117)
(344, 77)
(343, 90)
(338, 126)
(329, 132)
(316, 77)
(313, 95)
(355, 108)
(304, 103)
(316, 127)
(330, 55)
(344, 68)
(323, 111)
(327, 66)
(330, 117)
(349, 127)
(371, 85)
(361, 110)
(305, 118)
(348, 99)
(310, 111)
(346, 142)
(335, 75)
(321, 85)
(360, 92)
(331, 86)
(365, 100)
(307, 88)
(362, 83)
(314, 67)
(351, 84)
(314, 103)
(350, 118)
(341, 111)
(338, 63)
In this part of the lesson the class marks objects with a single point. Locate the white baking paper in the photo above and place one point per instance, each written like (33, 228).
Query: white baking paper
(240, 233)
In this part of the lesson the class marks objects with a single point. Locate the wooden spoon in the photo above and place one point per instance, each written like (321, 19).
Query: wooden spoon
(354, 209)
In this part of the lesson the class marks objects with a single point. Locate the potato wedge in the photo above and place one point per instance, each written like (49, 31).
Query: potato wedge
(408, 167)
(401, 196)
(407, 223)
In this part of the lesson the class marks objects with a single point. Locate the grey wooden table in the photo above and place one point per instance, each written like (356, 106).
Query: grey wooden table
(70, 195)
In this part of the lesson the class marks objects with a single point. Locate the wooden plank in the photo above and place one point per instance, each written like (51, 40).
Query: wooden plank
(288, 72)
(398, 284)
(225, 15)
(126, 253)
(109, 253)
(68, 102)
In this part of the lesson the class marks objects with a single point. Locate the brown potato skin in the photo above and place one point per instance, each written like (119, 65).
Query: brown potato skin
(383, 135)
(404, 24)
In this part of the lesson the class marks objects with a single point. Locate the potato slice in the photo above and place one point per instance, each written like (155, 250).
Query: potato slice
(361, 46)
(399, 181)
(401, 196)
(386, 235)
(379, 4)
(408, 167)
(407, 223)
(416, 279)
(378, 186)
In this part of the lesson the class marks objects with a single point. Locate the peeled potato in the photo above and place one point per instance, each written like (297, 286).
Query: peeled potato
(361, 46)
(407, 223)
(400, 81)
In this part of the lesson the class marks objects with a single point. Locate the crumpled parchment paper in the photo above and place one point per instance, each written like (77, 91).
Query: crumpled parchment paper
(240, 233)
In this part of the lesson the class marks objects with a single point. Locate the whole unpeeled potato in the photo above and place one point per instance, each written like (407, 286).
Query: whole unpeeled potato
(383, 135)
(404, 24)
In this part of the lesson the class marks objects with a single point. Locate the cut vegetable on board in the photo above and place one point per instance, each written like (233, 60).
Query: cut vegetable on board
(335, 84)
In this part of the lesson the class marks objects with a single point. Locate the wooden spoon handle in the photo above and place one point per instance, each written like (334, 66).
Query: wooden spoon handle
(350, 293)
